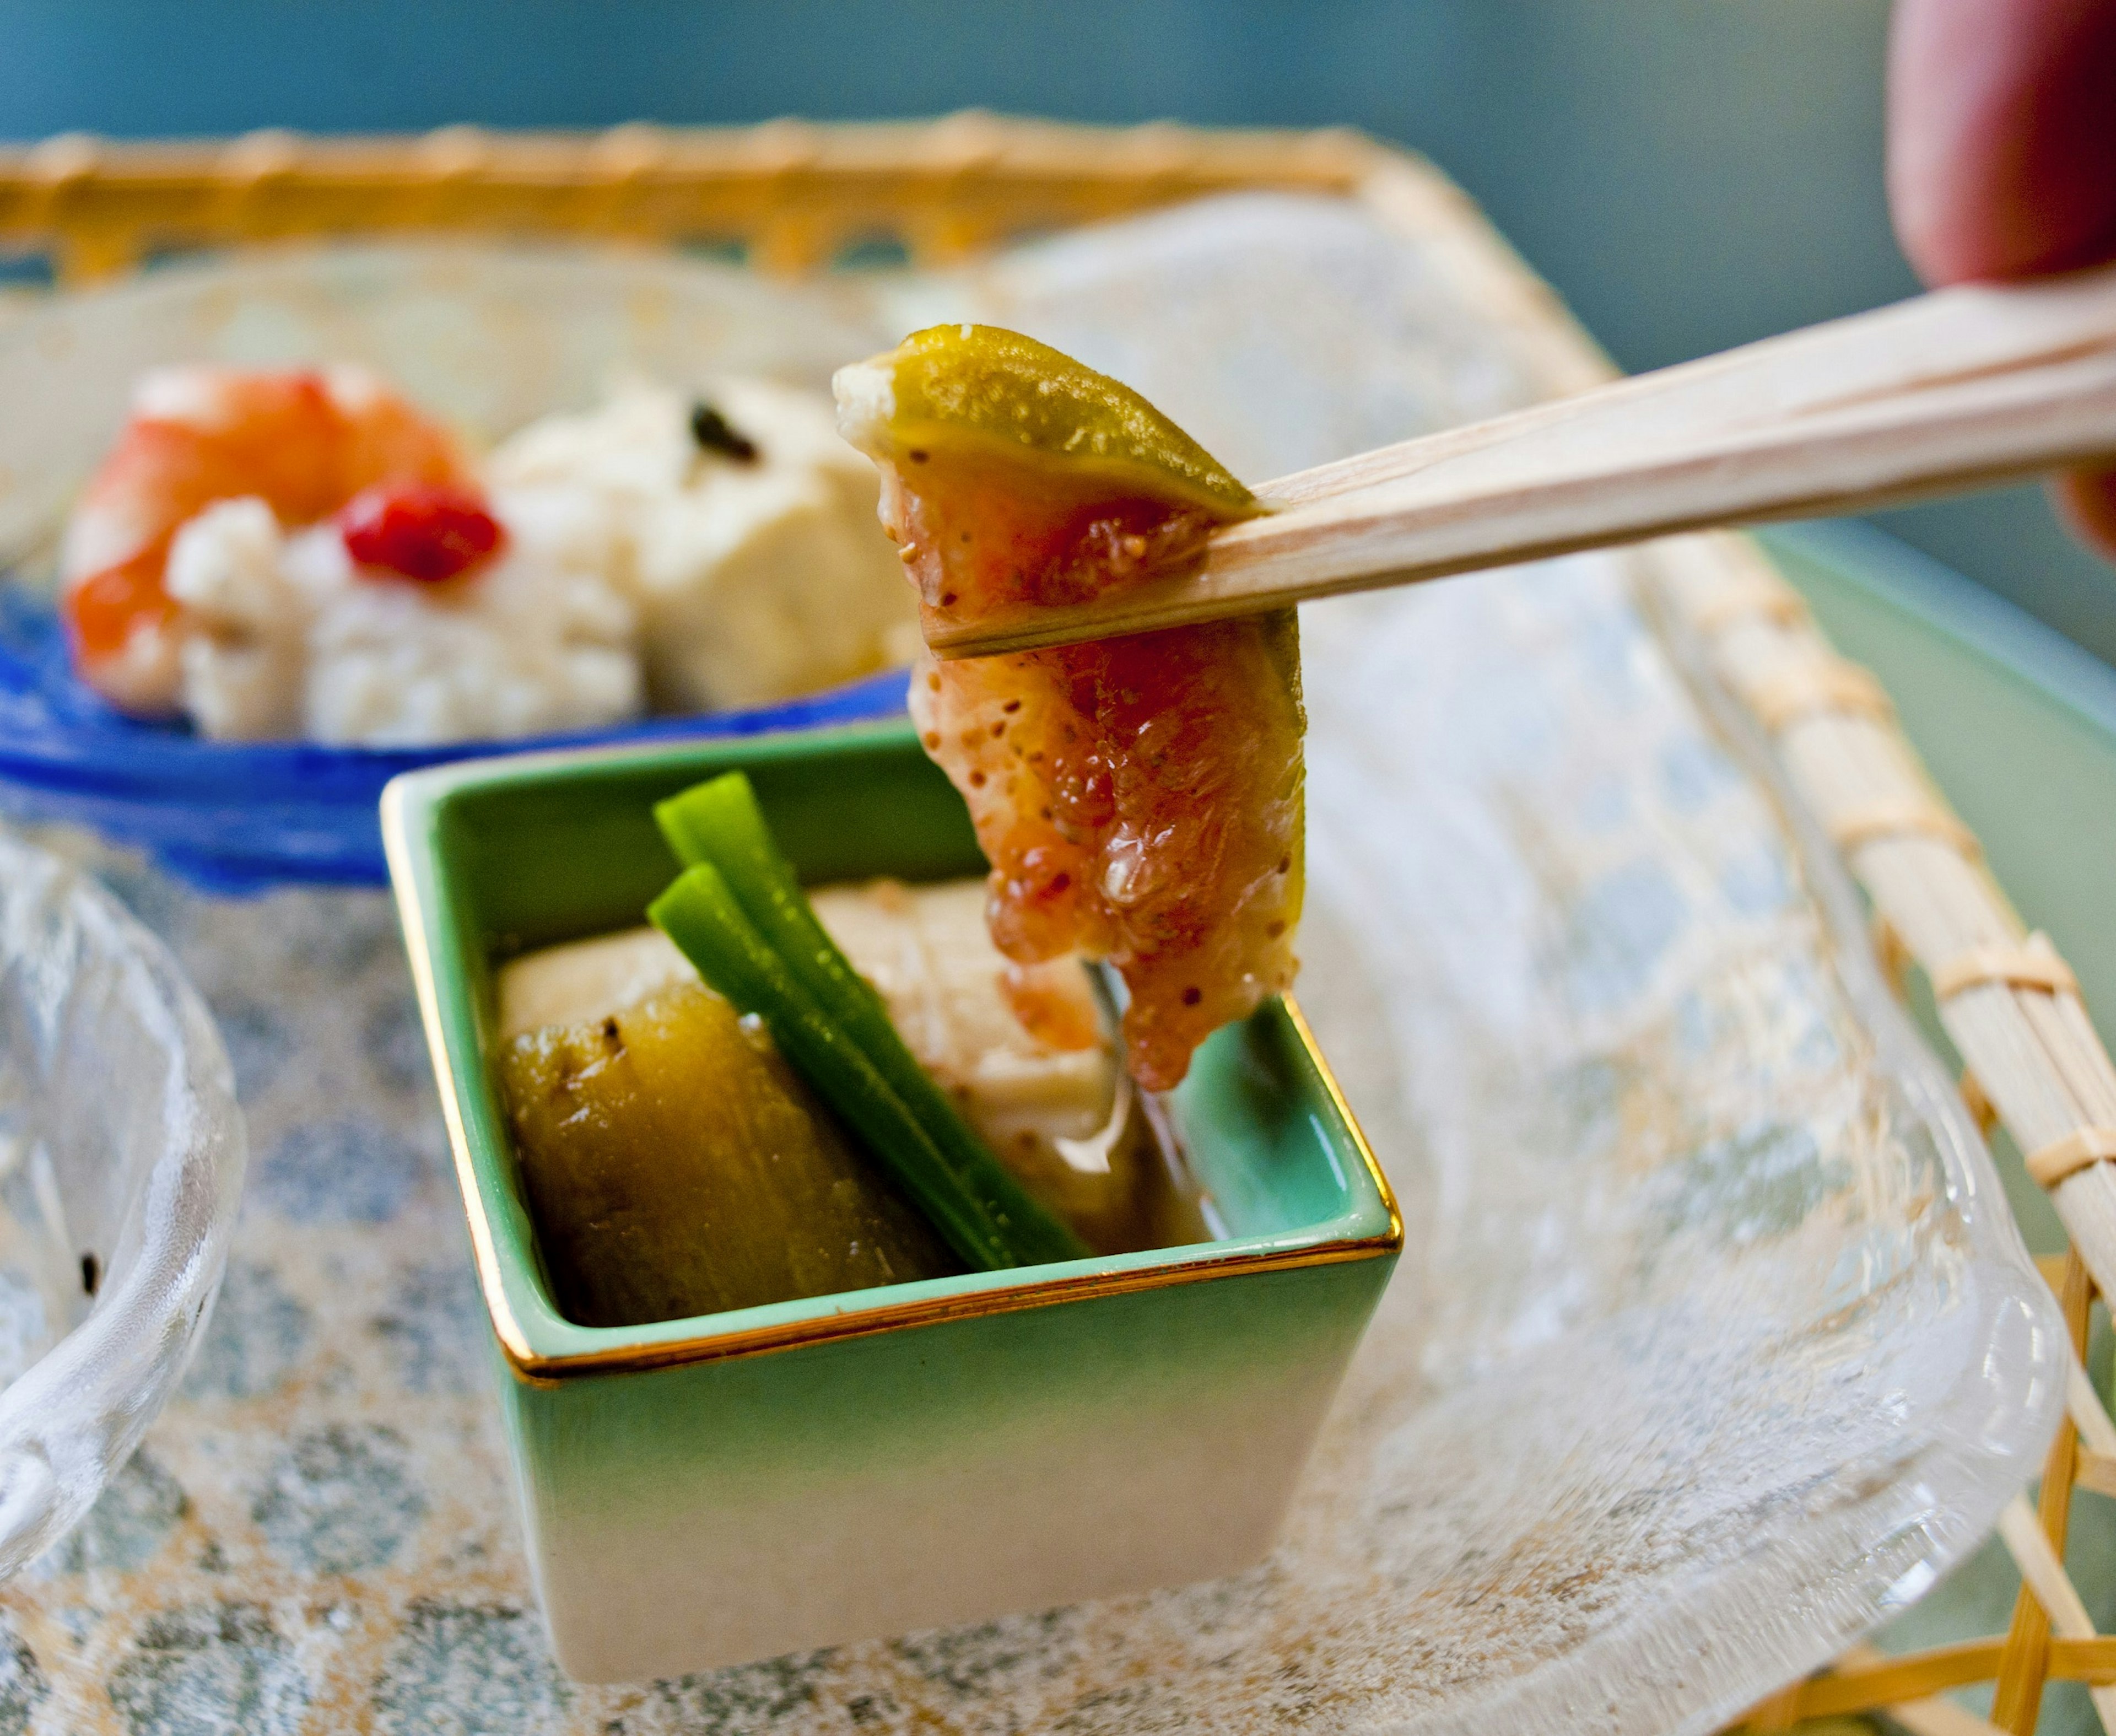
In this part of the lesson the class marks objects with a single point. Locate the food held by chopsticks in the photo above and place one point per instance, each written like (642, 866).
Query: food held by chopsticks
(1139, 798)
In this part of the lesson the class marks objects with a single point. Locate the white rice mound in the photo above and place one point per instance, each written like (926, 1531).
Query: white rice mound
(288, 639)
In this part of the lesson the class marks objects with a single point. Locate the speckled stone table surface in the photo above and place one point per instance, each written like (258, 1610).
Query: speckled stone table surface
(319, 1534)
(319, 1524)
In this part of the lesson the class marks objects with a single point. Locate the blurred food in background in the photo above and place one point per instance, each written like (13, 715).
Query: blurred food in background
(306, 555)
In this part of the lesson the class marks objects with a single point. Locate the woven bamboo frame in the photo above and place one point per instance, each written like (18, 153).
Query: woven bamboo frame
(793, 195)
(796, 196)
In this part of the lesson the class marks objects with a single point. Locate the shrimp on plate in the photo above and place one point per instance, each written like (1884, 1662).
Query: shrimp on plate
(306, 443)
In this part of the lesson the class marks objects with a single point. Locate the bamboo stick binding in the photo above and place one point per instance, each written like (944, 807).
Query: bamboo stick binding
(2031, 1058)
(1894, 958)
(1903, 817)
(2075, 1151)
(1977, 1102)
(2034, 964)
(1758, 597)
(1830, 685)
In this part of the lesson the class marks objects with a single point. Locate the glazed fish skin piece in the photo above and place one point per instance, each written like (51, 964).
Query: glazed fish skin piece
(675, 1165)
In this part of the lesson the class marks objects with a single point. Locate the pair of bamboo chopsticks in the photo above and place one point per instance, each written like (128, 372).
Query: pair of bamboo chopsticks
(1945, 392)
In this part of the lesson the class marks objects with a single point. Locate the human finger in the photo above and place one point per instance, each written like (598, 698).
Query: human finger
(2002, 135)
(2086, 499)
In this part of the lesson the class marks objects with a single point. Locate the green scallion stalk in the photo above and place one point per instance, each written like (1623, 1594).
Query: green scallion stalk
(699, 914)
(721, 823)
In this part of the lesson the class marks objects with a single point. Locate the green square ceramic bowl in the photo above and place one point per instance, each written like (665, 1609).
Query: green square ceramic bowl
(704, 1491)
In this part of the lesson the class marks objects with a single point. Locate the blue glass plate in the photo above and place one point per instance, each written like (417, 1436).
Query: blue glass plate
(487, 337)
(241, 818)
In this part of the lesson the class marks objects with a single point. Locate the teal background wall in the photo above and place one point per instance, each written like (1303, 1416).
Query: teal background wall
(1691, 173)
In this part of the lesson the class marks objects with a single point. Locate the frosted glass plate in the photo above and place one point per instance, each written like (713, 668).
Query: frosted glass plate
(1713, 1345)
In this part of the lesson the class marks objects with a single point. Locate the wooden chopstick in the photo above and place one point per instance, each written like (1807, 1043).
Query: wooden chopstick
(1944, 392)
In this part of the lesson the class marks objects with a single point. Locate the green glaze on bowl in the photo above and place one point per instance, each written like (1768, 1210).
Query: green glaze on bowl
(705, 1490)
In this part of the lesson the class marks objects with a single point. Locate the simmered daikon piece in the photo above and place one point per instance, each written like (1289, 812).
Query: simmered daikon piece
(1024, 1050)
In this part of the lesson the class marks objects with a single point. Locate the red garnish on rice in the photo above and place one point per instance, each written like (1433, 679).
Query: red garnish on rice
(425, 531)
